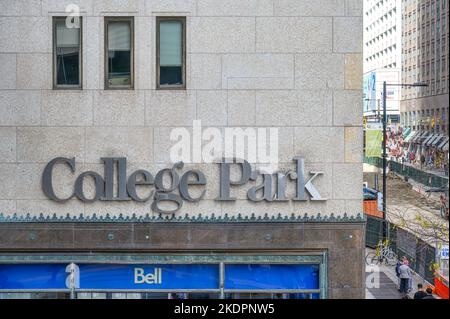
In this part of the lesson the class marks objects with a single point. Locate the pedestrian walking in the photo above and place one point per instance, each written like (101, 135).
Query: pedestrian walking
(406, 262)
(405, 277)
(420, 293)
(397, 272)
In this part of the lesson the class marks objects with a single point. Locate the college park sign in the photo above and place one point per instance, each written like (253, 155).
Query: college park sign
(170, 187)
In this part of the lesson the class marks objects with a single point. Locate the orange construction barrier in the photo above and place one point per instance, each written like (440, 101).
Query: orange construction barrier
(440, 285)
(370, 207)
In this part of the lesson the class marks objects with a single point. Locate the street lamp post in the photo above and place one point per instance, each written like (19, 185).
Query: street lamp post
(384, 154)
(384, 158)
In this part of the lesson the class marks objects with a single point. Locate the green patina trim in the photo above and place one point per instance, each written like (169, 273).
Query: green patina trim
(157, 259)
(324, 276)
(172, 218)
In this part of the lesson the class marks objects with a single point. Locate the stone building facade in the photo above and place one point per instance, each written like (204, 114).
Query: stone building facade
(425, 56)
(291, 65)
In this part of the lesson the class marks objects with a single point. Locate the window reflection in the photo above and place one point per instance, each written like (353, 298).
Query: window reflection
(170, 52)
(119, 51)
(67, 54)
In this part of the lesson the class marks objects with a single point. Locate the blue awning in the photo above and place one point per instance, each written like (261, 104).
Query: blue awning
(445, 147)
(420, 137)
(443, 143)
(437, 140)
(428, 140)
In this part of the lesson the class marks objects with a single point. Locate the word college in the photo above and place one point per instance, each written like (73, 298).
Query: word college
(272, 187)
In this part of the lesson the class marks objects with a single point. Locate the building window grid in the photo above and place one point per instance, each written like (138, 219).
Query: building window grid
(439, 46)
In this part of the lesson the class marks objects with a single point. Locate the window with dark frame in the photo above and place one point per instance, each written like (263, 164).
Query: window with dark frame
(67, 55)
(171, 52)
(119, 51)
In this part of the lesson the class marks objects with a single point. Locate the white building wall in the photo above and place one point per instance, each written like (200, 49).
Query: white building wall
(383, 48)
(291, 64)
(382, 34)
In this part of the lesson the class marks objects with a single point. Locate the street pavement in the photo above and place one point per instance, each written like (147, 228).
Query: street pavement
(405, 205)
(400, 195)
(388, 283)
(403, 201)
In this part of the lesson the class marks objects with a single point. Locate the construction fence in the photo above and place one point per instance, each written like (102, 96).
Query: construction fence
(420, 254)
(427, 179)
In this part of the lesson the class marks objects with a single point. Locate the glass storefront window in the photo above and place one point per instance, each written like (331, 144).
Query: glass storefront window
(272, 296)
(153, 295)
(271, 277)
(34, 295)
(161, 281)
(91, 295)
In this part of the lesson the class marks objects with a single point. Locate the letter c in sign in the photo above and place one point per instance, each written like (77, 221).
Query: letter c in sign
(47, 184)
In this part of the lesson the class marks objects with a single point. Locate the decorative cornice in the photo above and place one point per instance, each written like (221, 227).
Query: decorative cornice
(161, 259)
(172, 218)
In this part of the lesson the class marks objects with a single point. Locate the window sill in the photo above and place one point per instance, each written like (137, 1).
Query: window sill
(112, 88)
(171, 87)
(68, 87)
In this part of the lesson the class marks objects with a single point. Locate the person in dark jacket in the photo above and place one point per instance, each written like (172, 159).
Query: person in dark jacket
(420, 293)
(397, 272)
(429, 294)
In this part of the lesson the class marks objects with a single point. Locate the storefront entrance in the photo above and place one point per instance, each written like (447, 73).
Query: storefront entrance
(160, 276)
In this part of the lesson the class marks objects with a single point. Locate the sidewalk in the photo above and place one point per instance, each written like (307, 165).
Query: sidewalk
(388, 288)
